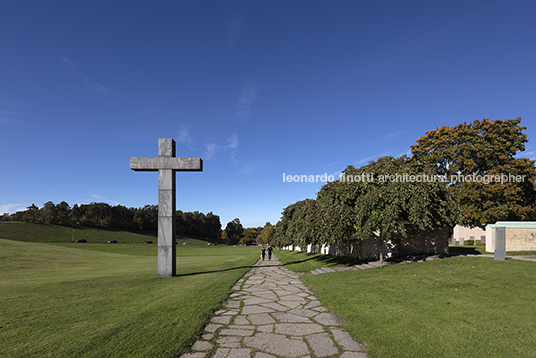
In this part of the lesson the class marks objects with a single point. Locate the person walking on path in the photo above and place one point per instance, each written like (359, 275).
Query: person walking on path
(263, 253)
(270, 253)
(271, 313)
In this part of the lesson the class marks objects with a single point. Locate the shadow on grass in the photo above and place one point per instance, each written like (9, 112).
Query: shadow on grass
(213, 271)
(328, 260)
(463, 250)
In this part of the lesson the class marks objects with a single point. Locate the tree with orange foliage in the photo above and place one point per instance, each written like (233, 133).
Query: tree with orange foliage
(472, 157)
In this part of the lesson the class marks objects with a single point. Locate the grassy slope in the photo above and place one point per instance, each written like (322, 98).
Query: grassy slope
(30, 232)
(63, 300)
(453, 307)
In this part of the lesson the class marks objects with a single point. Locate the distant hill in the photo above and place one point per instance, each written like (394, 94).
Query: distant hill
(31, 232)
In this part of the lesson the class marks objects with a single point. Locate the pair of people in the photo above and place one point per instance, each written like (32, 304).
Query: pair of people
(266, 251)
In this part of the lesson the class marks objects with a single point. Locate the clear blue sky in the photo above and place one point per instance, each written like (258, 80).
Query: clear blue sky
(255, 88)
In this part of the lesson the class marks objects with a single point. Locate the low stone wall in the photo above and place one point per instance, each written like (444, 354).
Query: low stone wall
(520, 236)
(417, 242)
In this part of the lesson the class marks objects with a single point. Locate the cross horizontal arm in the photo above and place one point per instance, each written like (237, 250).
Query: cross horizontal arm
(178, 164)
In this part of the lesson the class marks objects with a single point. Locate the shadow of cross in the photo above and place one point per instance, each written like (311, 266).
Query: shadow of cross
(166, 164)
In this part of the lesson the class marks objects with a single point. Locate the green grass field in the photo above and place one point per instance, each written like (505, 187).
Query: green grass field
(104, 300)
(452, 307)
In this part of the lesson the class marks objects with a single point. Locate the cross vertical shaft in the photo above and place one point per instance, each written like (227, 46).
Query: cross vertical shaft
(166, 211)
(166, 164)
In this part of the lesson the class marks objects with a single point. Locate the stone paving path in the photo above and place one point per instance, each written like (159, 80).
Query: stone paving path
(271, 313)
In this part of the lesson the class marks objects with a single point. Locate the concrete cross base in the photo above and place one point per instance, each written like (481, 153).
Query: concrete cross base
(167, 261)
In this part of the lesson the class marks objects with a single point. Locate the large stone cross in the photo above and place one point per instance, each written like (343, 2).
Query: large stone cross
(166, 164)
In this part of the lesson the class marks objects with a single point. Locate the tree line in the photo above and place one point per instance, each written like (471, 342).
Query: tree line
(234, 233)
(383, 199)
(117, 217)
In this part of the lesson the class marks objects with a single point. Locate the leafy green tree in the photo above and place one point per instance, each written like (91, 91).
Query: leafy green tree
(268, 234)
(96, 212)
(382, 199)
(212, 225)
(475, 159)
(234, 230)
(63, 212)
(248, 236)
(300, 224)
(30, 215)
(48, 213)
(397, 193)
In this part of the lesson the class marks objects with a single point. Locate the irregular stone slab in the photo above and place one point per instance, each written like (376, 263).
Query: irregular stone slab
(256, 277)
(320, 309)
(303, 294)
(269, 295)
(290, 318)
(239, 353)
(255, 281)
(263, 355)
(207, 336)
(253, 289)
(269, 283)
(230, 313)
(240, 326)
(292, 298)
(322, 345)
(193, 355)
(312, 304)
(266, 329)
(275, 306)
(255, 309)
(260, 319)
(256, 300)
(232, 304)
(236, 332)
(345, 341)
(229, 342)
(202, 346)
(353, 355)
(240, 320)
(298, 329)
(280, 291)
(303, 312)
(221, 352)
(290, 304)
(328, 319)
(277, 344)
(212, 327)
(291, 288)
(221, 319)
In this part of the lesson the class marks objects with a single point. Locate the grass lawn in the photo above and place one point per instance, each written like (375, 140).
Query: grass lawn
(104, 300)
(452, 307)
